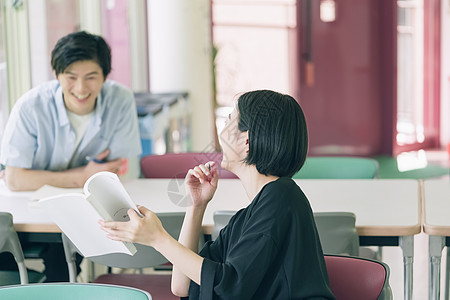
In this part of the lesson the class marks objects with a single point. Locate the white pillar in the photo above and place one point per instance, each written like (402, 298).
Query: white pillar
(91, 16)
(180, 59)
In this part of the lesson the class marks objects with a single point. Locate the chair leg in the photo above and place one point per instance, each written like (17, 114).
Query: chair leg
(92, 271)
(23, 273)
(72, 271)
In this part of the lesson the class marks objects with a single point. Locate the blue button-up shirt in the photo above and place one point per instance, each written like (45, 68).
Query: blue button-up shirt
(39, 135)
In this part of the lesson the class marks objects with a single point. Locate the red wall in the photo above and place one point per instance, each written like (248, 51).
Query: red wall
(349, 106)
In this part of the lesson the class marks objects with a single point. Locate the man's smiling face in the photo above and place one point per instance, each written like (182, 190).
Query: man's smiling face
(81, 83)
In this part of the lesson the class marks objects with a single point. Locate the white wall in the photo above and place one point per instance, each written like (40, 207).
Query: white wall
(445, 73)
(180, 59)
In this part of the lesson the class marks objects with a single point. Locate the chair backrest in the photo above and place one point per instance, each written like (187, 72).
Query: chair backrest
(358, 278)
(9, 242)
(337, 232)
(221, 219)
(144, 257)
(176, 165)
(72, 291)
(330, 167)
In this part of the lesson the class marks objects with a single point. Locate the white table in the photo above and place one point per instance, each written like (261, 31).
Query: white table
(383, 208)
(436, 223)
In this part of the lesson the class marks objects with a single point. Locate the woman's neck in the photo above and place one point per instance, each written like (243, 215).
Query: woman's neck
(253, 181)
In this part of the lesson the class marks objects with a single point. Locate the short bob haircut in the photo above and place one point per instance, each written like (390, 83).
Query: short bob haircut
(277, 132)
(79, 46)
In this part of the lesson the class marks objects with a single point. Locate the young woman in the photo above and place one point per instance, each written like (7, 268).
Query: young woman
(270, 249)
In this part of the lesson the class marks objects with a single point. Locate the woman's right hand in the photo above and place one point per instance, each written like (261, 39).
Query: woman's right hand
(201, 183)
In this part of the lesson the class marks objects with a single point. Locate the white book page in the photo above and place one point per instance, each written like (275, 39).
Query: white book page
(107, 194)
(79, 221)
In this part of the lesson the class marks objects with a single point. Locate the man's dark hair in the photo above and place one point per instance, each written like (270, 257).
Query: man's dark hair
(277, 132)
(79, 46)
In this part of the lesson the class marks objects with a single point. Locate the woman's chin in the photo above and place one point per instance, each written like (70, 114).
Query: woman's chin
(224, 164)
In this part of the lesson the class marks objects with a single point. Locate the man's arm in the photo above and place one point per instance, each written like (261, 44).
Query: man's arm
(20, 179)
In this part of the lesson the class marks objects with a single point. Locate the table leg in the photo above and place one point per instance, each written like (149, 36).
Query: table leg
(447, 274)
(435, 246)
(407, 245)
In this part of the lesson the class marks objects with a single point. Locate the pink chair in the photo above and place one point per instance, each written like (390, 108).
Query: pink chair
(176, 165)
(358, 278)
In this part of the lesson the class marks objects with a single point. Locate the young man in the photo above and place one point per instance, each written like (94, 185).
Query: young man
(63, 131)
(57, 129)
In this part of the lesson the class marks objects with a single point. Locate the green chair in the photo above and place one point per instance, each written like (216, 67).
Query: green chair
(9, 242)
(72, 291)
(338, 167)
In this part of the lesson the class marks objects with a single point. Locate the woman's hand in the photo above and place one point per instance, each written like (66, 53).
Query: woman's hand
(146, 230)
(201, 183)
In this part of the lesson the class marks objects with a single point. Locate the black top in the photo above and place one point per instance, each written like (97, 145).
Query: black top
(269, 250)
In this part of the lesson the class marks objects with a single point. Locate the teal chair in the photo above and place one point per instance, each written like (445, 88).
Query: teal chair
(9, 242)
(72, 291)
(338, 167)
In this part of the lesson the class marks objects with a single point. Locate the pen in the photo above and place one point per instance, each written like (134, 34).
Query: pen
(88, 158)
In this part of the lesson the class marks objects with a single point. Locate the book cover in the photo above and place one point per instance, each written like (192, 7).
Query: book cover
(77, 214)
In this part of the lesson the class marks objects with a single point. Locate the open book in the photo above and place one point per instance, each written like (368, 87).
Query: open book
(77, 214)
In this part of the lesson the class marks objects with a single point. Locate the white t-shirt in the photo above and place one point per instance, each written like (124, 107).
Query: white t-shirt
(79, 125)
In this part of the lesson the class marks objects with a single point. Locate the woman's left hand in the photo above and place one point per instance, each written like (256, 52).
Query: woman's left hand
(146, 230)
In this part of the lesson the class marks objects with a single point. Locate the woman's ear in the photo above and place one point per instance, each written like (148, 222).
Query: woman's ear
(246, 142)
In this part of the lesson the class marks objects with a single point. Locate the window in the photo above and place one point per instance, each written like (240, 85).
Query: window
(65, 18)
(124, 26)
(3, 83)
(410, 99)
(247, 36)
